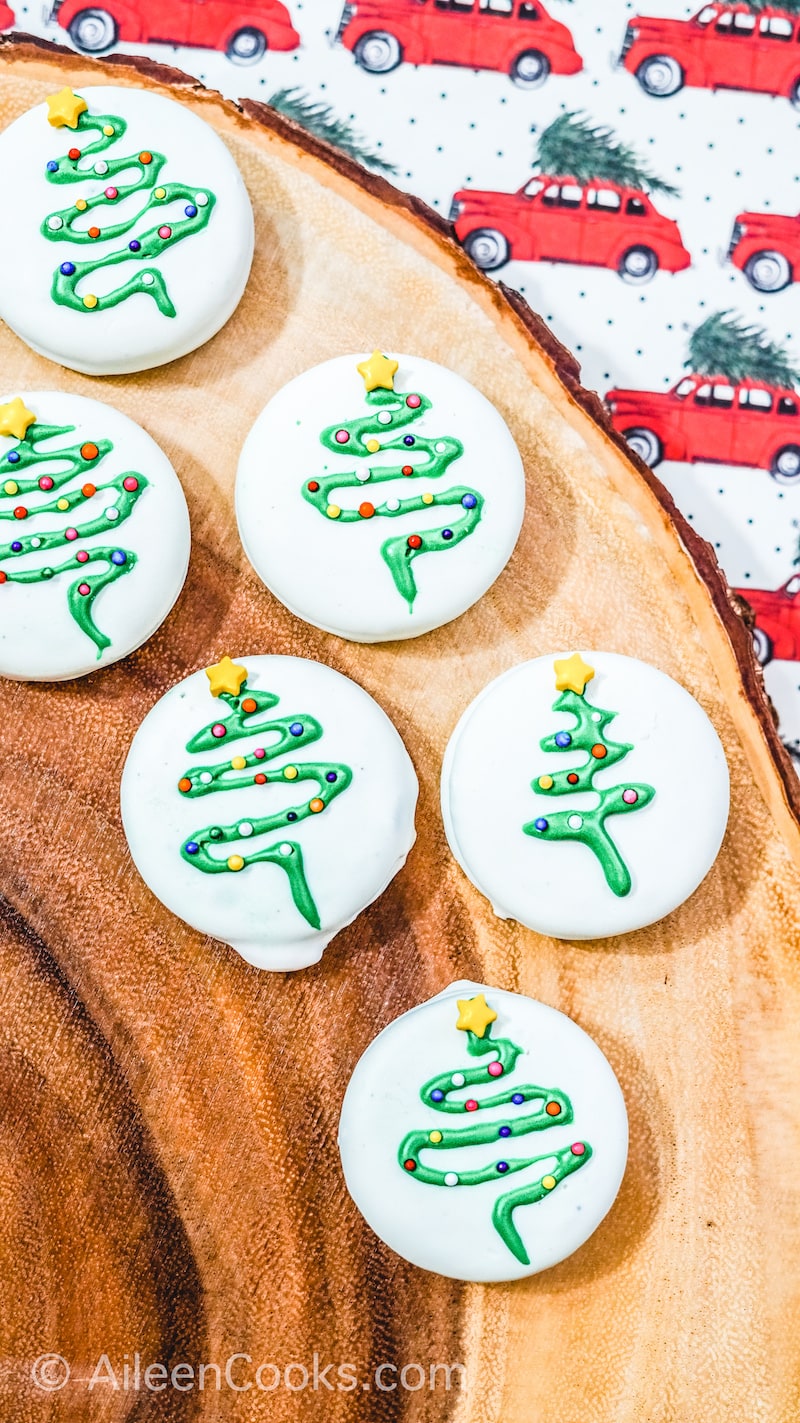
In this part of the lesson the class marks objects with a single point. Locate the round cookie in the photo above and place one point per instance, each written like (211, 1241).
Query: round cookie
(585, 797)
(132, 231)
(379, 498)
(316, 818)
(483, 1135)
(94, 536)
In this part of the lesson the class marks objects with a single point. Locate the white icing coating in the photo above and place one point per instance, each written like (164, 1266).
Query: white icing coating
(332, 574)
(205, 272)
(451, 1231)
(39, 638)
(558, 887)
(351, 851)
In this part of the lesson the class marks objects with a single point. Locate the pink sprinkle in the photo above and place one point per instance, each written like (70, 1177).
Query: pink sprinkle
(165, 232)
(45, 482)
(495, 1069)
(83, 556)
(259, 753)
(413, 402)
(130, 484)
(84, 590)
(341, 437)
(471, 1105)
(577, 1148)
(219, 730)
(630, 797)
(111, 193)
(71, 534)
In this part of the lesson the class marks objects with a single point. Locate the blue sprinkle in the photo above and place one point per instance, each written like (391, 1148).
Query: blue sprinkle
(292, 815)
(52, 166)
(469, 501)
(191, 210)
(331, 776)
(563, 738)
(502, 1166)
(437, 1095)
(119, 557)
(192, 847)
(16, 547)
(134, 246)
(67, 269)
(13, 457)
(408, 439)
(541, 823)
(296, 728)
(518, 1099)
(504, 1131)
(447, 534)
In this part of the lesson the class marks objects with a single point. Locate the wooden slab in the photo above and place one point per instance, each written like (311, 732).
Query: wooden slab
(169, 1180)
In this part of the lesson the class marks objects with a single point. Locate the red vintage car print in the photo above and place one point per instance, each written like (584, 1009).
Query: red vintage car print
(243, 31)
(517, 37)
(777, 630)
(766, 247)
(560, 220)
(709, 418)
(721, 47)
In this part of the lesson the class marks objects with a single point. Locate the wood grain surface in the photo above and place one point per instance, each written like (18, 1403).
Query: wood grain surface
(169, 1179)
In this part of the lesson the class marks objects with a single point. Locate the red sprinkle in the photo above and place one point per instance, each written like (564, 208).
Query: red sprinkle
(572, 778)
(20, 512)
(414, 541)
(84, 590)
(410, 1165)
(3, 576)
(471, 1105)
(260, 779)
(313, 486)
(111, 193)
(74, 154)
(408, 469)
(130, 484)
(45, 482)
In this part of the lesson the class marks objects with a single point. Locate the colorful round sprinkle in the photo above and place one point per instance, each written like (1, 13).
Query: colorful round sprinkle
(235, 862)
(84, 590)
(471, 1105)
(545, 782)
(20, 512)
(67, 269)
(260, 779)
(316, 805)
(504, 1131)
(190, 210)
(563, 738)
(599, 752)
(184, 785)
(331, 776)
(366, 510)
(413, 402)
(70, 534)
(296, 728)
(447, 534)
(502, 1167)
(548, 1182)
(250, 705)
(435, 1136)
(312, 486)
(437, 1095)
(630, 797)
(192, 847)
(164, 233)
(134, 246)
(219, 730)
(458, 1079)
(414, 541)
(410, 1165)
(111, 194)
(409, 440)
(517, 1099)
(495, 1069)
(578, 1148)
(469, 501)
(573, 778)
(130, 483)
(553, 1109)
(82, 556)
(341, 437)
(16, 546)
(541, 823)
(451, 1179)
(290, 773)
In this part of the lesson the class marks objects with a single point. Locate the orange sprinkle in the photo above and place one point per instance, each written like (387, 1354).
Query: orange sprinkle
(316, 805)
(184, 784)
(249, 705)
(89, 451)
(145, 157)
(88, 490)
(553, 1109)
(599, 751)
(366, 510)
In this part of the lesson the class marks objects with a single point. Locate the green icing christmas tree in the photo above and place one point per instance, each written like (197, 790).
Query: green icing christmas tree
(255, 769)
(572, 146)
(588, 735)
(46, 479)
(78, 225)
(378, 432)
(525, 1109)
(724, 345)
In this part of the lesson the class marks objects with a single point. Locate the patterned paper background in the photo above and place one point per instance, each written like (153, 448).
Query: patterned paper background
(631, 166)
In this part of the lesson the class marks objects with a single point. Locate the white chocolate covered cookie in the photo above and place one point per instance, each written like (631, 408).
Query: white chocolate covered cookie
(267, 803)
(94, 535)
(585, 795)
(132, 231)
(379, 498)
(483, 1135)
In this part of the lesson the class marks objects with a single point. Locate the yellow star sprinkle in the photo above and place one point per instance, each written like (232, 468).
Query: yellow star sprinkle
(15, 418)
(572, 674)
(475, 1015)
(226, 676)
(65, 108)
(378, 372)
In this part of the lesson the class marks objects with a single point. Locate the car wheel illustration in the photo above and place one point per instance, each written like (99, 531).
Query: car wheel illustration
(646, 444)
(246, 46)
(785, 466)
(794, 94)
(488, 248)
(530, 69)
(93, 31)
(762, 646)
(660, 76)
(638, 265)
(768, 271)
(378, 52)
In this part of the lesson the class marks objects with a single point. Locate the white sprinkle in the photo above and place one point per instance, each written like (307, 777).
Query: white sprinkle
(384, 417)
(101, 166)
(596, 716)
(112, 513)
(201, 200)
(440, 447)
(362, 475)
(36, 543)
(206, 778)
(285, 850)
(54, 223)
(575, 822)
(458, 1079)
(451, 1179)
(147, 279)
(392, 504)
(245, 828)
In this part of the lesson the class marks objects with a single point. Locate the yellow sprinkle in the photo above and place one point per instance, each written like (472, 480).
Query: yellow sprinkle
(81, 205)
(427, 498)
(90, 300)
(108, 130)
(237, 863)
(238, 763)
(548, 1182)
(160, 193)
(62, 504)
(11, 487)
(333, 511)
(290, 773)
(373, 446)
(545, 782)
(435, 1136)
